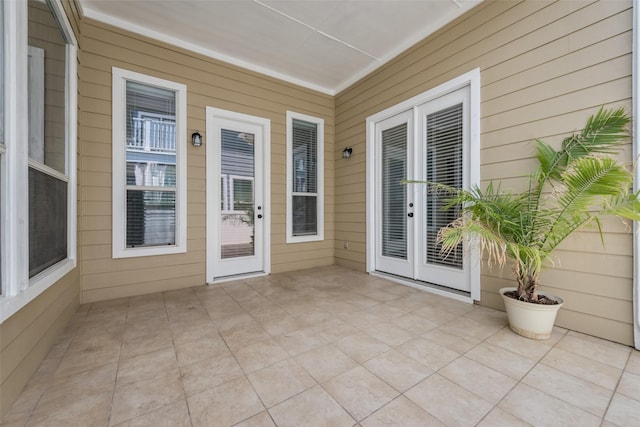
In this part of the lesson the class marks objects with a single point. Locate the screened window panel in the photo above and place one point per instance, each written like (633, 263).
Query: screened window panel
(394, 192)
(444, 142)
(305, 215)
(47, 221)
(151, 165)
(151, 218)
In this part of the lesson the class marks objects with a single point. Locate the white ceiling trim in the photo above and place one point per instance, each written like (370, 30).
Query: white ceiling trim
(147, 32)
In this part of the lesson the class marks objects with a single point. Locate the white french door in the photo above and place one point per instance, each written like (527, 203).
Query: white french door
(237, 194)
(429, 142)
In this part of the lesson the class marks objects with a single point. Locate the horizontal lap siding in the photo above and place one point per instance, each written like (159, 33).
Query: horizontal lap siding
(209, 83)
(545, 67)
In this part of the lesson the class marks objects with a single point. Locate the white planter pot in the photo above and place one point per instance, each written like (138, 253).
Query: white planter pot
(531, 320)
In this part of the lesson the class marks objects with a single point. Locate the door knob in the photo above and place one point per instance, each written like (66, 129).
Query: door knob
(410, 214)
(259, 216)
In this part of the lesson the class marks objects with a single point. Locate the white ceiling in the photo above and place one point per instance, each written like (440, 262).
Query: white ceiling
(324, 45)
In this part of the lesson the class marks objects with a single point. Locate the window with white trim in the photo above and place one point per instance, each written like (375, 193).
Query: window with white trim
(305, 178)
(149, 165)
(37, 150)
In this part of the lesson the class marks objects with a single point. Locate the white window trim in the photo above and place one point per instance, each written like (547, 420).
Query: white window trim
(18, 289)
(119, 208)
(471, 79)
(635, 100)
(320, 178)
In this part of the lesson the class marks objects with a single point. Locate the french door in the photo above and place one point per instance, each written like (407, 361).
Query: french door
(429, 142)
(237, 206)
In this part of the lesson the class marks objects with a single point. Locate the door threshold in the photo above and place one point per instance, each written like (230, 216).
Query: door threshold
(426, 286)
(237, 277)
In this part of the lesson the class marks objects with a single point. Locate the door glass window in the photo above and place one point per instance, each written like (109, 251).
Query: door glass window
(394, 192)
(444, 142)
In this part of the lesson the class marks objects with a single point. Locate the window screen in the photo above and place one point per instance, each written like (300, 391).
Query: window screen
(305, 178)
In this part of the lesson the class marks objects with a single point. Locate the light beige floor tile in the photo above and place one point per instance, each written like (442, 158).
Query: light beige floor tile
(338, 331)
(556, 412)
(312, 408)
(488, 316)
(224, 405)
(361, 347)
(134, 399)
(435, 314)
(483, 381)
(205, 347)
(435, 395)
(633, 364)
(75, 361)
(360, 392)
(326, 362)
(401, 412)
(501, 360)
(603, 352)
(191, 331)
(454, 306)
(499, 418)
(263, 419)
(629, 385)
(466, 327)
(573, 390)
(238, 337)
(90, 411)
(623, 411)
(532, 349)
(154, 339)
(583, 367)
(280, 325)
(148, 366)
(64, 391)
(280, 381)
(415, 325)
(407, 303)
(209, 373)
(301, 341)
(385, 311)
(173, 415)
(398, 370)
(388, 333)
(260, 354)
(451, 339)
(24, 405)
(430, 354)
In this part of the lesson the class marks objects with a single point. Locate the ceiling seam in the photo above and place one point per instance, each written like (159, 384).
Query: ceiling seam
(329, 36)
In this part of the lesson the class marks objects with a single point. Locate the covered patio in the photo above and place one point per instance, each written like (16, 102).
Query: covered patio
(323, 346)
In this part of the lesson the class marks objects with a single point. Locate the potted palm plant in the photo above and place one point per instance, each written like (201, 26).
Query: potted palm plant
(571, 188)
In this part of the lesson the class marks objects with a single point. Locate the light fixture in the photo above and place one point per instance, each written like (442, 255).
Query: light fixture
(346, 153)
(196, 139)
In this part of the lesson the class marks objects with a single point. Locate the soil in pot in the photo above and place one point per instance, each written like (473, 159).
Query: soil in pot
(542, 299)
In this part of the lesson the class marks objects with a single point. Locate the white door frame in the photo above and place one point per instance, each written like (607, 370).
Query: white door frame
(471, 79)
(212, 180)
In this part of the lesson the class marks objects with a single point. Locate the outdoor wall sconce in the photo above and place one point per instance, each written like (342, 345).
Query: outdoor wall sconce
(196, 139)
(346, 153)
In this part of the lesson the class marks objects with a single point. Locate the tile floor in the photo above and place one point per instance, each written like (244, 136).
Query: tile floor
(321, 347)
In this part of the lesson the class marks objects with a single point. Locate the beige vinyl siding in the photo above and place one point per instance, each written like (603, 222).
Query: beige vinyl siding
(27, 336)
(209, 83)
(545, 67)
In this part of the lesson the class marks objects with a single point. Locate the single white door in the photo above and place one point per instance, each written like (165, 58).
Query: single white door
(443, 149)
(236, 189)
(394, 199)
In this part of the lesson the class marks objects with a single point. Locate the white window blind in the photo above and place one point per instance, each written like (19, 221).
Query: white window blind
(394, 193)
(151, 165)
(305, 186)
(444, 143)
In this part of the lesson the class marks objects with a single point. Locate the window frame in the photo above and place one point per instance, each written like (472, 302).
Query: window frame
(119, 126)
(17, 288)
(319, 194)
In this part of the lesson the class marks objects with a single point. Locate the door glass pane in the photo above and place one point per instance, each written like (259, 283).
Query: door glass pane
(444, 165)
(394, 192)
(238, 170)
